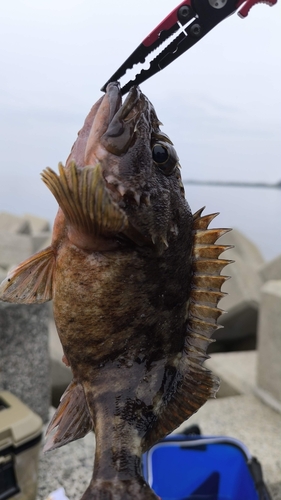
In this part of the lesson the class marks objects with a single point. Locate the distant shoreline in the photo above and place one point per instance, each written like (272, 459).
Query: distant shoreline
(277, 185)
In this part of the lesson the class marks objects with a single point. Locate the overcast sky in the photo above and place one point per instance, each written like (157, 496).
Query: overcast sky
(219, 102)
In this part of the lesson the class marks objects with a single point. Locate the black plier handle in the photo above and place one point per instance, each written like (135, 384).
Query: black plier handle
(193, 19)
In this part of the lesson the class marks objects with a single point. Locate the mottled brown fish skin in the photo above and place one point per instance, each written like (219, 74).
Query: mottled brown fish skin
(119, 346)
(127, 272)
(122, 320)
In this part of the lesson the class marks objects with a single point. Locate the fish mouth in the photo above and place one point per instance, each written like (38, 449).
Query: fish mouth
(106, 164)
(119, 136)
(97, 190)
(123, 118)
(132, 125)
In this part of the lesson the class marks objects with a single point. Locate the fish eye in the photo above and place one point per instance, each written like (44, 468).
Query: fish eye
(160, 154)
(165, 157)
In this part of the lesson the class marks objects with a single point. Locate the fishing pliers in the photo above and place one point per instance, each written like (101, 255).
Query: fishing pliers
(193, 19)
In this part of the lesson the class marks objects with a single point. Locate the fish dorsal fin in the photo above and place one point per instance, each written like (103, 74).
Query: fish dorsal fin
(84, 199)
(32, 281)
(194, 384)
(206, 284)
(71, 420)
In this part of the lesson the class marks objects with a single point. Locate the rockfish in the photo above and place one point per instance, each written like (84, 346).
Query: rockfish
(135, 282)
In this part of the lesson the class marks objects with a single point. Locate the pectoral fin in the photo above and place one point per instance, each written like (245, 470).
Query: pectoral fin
(32, 281)
(84, 199)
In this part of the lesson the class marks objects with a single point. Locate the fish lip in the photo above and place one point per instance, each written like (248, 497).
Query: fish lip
(122, 108)
(115, 98)
(124, 116)
(133, 98)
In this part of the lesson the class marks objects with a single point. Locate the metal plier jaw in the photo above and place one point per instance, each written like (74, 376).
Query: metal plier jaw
(193, 19)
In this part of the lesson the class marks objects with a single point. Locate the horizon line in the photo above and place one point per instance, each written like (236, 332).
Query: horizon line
(276, 185)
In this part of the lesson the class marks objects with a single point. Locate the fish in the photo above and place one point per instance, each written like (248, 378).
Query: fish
(135, 281)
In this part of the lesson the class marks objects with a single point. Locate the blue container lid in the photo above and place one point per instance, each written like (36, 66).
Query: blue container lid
(199, 470)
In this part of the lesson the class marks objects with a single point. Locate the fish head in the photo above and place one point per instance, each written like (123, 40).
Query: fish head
(139, 165)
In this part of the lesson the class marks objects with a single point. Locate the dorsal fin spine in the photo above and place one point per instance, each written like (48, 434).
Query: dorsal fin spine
(204, 221)
(203, 311)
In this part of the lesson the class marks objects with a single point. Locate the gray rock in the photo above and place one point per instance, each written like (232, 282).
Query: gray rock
(14, 248)
(271, 270)
(245, 281)
(243, 289)
(40, 240)
(237, 372)
(243, 248)
(14, 224)
(269, 339)
(24, 355)
(37, 224)
(239, 323)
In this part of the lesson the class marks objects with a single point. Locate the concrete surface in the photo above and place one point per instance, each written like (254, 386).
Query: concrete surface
(20, 237)
(37, 224)
(237, 372)
(14, 248)
(40, 240)
(269, 339)
(245, 281)
(14, 224)
(24, 356)
(271, 270)
(242, 299)
(244, 248)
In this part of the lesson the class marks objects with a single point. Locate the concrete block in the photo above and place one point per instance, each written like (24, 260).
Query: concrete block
(24, 354)
(271, 270)
(240, 324)
(243, 289)
(237, 372)
(14, 224)
(40, 240)
(245, 281)
(37, 224)
(269, 340)
(243, 248)
(14, 248)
